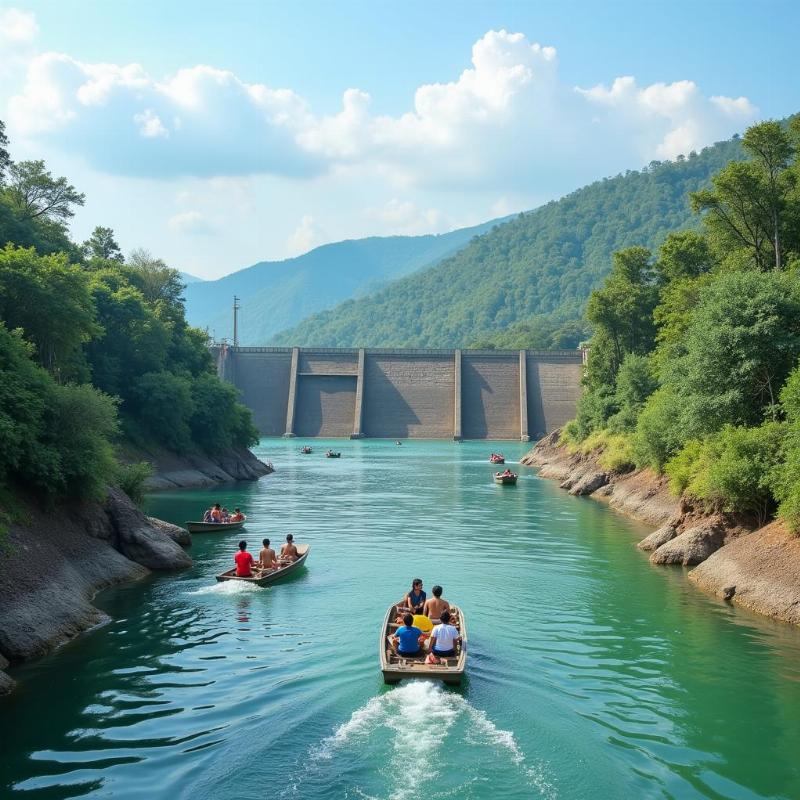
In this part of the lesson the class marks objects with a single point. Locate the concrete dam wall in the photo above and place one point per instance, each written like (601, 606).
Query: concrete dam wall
(398, 394)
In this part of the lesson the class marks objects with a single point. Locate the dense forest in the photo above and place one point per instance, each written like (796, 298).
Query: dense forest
(277, 294)
(693, 368)
(95, 351)
(525, 283)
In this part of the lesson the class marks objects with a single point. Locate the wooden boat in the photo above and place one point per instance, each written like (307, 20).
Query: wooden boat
(505, 480)
(331, 454)
(396, 667)
(305, 450)
(265, 576)
(214, 527)
(497, 458)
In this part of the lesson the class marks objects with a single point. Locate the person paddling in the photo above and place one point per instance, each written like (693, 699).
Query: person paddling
(244, 561)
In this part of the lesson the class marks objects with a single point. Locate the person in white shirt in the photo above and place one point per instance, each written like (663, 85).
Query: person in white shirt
(444, 637)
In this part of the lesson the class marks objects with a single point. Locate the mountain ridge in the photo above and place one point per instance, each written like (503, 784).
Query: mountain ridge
(541, 264)
(276, 294)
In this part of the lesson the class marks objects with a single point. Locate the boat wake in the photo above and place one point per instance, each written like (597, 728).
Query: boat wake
(429, 742)
(229, 587)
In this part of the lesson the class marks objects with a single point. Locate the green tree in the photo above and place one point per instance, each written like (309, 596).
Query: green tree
(102, 245)
(622, 314)
(684, 254)
(34, 192)
(162, 403)
(741, 343)
(746, 206)
(50, 300)
(5, 159)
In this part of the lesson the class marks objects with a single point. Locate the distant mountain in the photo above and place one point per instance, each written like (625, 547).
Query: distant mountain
(543, 262)
(276, 294)
(187, 278)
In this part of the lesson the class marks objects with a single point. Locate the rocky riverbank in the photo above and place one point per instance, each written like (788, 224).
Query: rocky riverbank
(756, 568)
(54, 562)
(172, 471)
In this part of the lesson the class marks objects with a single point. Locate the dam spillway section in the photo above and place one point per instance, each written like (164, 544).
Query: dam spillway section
(404, 393)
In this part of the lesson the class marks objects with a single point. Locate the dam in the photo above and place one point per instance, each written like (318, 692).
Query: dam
(404, 393)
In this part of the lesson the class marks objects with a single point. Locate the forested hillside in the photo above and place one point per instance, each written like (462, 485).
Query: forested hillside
(544, 262)
(277, 294)
(694, 365)
(95, 352)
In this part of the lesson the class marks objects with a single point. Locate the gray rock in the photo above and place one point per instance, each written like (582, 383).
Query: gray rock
(6, 683)
(589, 482)
(178, 535)
(666, 533)
(691, 547)
(139, 540)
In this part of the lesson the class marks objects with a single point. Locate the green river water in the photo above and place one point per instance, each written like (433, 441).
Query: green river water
(591, 674)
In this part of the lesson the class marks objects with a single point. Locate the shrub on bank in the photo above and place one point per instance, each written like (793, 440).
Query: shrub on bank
(730, 470)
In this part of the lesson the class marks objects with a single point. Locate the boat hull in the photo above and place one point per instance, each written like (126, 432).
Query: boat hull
(506, 480)
(214, 527)
(273, 575)
(395, 669)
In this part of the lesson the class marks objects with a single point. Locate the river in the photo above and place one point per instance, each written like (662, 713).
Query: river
(591, 674)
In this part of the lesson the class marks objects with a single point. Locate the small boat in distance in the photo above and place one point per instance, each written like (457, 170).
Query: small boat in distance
(497, 458)
(398, 443)
(214, 527)
(264, 576)
(332, 454)
(305, 449)
(395, 667)
(507, 478)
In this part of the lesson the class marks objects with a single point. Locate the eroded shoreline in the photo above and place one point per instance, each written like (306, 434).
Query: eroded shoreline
(757, 568)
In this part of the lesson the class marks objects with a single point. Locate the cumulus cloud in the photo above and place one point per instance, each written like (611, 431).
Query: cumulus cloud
(17, 27)
(190, 222)
(507, 121)
(404, 216)
(306, 236)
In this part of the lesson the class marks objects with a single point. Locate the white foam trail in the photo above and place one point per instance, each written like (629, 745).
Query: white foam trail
(229, 587)
(420, 715)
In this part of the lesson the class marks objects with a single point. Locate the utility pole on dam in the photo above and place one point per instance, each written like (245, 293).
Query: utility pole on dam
(236, 308)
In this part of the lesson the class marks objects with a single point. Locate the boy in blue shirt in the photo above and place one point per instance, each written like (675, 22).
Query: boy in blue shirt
(406, 638)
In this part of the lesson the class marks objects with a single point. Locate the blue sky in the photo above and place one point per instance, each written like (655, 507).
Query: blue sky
(216, 135)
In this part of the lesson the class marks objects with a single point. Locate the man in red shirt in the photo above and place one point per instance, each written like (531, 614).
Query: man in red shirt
(244, 561)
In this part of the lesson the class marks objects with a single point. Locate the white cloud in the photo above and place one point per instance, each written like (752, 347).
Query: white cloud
(306, 236)
(17, 27)
(407, 218)
(150, 124)
(190, 222)
(507, 123)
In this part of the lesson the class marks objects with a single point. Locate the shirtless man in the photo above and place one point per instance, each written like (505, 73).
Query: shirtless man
(289, 551)
(435, 606)
(266, 558)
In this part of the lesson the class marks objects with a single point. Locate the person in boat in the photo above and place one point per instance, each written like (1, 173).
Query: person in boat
(444, 637)
(216, 513)
(407, 638)
(506, 473)
(237, 516)
(289, 551)
(207, 515)
(414, 601)
(267, 558)
(435, 607)
(244, 561)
